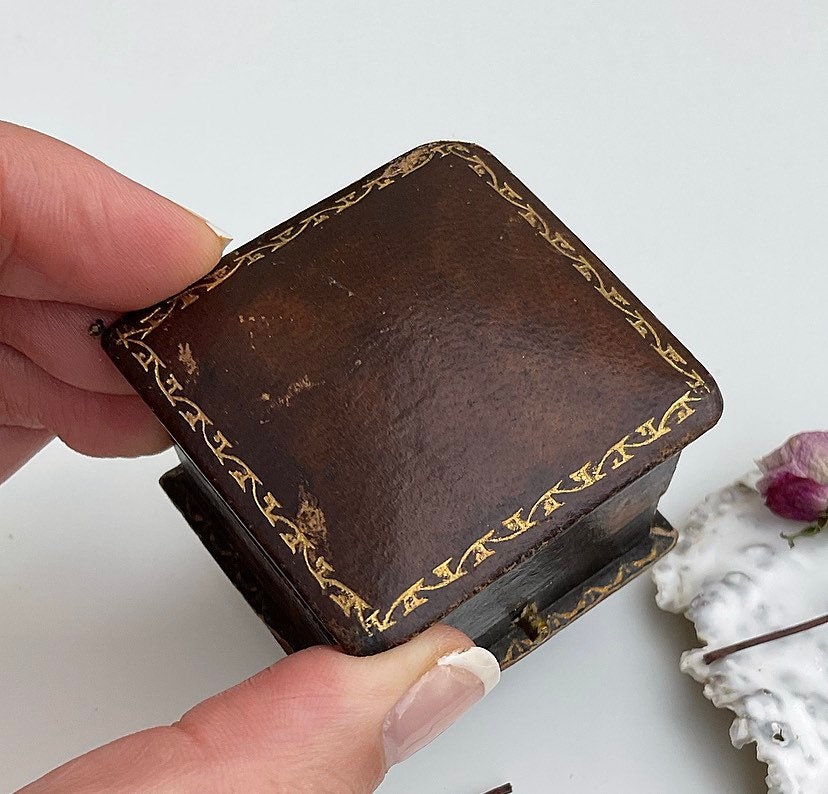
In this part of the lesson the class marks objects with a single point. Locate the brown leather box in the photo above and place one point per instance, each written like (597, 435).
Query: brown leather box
(422, 399)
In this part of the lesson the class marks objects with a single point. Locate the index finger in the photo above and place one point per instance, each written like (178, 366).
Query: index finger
(74, 230)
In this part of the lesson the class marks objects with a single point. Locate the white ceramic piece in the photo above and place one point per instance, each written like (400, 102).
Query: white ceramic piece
(735, 578)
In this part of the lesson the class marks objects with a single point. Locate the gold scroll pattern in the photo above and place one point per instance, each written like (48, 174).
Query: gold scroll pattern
(248, 255)
(373, 619)
(292, 531)
(611, 294)
(400, 168)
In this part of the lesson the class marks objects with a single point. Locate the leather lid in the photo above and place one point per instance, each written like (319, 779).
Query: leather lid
(408, 388)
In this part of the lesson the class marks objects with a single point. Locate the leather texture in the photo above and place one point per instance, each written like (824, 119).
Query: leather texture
(410, 389)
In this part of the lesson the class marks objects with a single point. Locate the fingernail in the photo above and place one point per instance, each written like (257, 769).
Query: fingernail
(225, 238)
(455, 683)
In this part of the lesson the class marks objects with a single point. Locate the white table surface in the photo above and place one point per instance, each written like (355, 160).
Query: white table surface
(684, 142)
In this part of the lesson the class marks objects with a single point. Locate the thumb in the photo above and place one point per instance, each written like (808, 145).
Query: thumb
(317, 721)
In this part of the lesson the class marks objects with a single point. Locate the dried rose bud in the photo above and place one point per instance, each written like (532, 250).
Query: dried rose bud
(795, 484)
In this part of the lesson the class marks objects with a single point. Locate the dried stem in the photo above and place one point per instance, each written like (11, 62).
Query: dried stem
(720, 653)
(813, 529)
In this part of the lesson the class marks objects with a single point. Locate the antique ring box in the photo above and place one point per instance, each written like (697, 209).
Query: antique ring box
(423, 399)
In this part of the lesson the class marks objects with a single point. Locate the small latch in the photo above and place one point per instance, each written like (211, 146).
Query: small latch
(532, 624)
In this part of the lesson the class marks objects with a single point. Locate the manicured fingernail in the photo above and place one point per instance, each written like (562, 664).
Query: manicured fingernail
(456, 682)
(225, 238)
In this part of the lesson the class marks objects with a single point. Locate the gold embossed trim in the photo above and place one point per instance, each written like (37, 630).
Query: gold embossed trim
(396, 170)
(247, 255)
(291, 530)
(611, 294)
(547, 625)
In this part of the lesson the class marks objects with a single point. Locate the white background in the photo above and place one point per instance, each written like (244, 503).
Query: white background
(684, 142)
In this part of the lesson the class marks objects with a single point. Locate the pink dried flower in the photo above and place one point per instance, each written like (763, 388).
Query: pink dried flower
(795, 484)
(795, 497)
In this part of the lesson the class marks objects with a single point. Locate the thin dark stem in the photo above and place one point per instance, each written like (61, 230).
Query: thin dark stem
(720, 653)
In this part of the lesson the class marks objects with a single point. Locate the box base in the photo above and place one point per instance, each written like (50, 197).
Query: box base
(535, 627)
(531, 629)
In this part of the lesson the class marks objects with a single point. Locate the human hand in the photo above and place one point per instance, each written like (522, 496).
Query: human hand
(318, 721)
(79, 242)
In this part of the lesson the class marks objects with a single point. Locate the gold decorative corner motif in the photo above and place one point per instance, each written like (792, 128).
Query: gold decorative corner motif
(296, 532)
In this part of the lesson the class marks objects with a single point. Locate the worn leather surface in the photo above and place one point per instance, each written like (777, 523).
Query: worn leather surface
(414, 364)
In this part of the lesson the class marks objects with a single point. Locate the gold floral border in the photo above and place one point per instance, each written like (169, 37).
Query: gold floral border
(291, 531)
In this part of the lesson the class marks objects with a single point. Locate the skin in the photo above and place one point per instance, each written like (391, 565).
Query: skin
(79, 241)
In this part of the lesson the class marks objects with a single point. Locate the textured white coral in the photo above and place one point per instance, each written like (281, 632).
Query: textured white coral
(735, 578)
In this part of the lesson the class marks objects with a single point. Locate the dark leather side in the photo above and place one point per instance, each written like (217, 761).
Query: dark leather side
(566, 561)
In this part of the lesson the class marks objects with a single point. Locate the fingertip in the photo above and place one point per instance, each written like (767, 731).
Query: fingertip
(102, 425)
(425, 649)
(224, 238)
(133, 434)
(84, 233)
(175, 248)
(444, 639)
